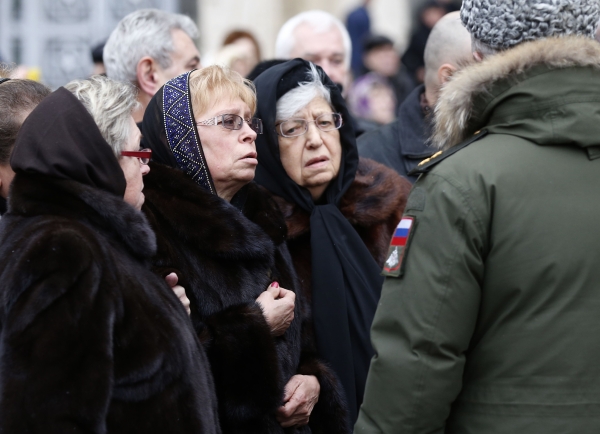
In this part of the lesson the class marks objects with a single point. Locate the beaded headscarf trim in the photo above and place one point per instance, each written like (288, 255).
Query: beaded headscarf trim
(182, 133)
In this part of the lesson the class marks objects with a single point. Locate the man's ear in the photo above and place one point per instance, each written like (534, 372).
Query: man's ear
(147, 76)
(445, 72)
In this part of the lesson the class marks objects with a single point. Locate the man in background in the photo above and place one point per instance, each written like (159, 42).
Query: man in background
(358, 23)
(403, 143)
(381, 57)
(148, 48)
(320, 38)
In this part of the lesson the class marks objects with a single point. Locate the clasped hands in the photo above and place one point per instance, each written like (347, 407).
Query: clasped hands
(302, 391)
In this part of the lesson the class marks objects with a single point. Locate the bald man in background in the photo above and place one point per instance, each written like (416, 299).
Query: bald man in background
(402, 144)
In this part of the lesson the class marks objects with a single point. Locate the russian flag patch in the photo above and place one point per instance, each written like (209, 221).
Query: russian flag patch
(402, 232)
(397, 248)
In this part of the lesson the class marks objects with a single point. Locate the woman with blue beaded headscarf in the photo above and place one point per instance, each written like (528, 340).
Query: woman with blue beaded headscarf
(226, 240)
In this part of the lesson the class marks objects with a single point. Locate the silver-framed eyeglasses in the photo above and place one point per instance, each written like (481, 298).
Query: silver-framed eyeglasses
(299, 127)
(234, 122)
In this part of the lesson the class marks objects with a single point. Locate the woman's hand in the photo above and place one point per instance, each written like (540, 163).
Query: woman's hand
(277, 305)
(301, 395)
(179, 290)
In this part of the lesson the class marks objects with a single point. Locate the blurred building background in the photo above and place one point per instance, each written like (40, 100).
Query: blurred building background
(53, 38)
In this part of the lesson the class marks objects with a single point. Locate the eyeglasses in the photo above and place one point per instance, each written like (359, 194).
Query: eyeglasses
(234, 122)
(298, 127)
(143, 155)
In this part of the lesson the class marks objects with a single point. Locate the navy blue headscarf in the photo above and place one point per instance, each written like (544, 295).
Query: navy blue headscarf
(170, 130)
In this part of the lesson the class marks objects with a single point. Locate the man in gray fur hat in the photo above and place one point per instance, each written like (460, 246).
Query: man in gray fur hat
(489, 317)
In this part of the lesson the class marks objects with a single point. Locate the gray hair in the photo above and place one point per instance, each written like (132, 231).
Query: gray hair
(299, 97)
(110, 103)
(502, 24)
(320, 22)
(145, 32)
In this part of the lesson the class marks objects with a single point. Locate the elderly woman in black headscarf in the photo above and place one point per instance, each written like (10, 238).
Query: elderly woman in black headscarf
(225, 238)
(340, 210)
(91, 340)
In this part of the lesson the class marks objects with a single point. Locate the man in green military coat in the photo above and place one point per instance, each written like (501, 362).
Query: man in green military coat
(489, 320)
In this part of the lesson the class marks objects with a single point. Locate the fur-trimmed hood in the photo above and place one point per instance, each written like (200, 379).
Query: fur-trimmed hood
(518, 77)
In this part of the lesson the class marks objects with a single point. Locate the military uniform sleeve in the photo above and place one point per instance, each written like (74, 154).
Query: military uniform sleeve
(426, 317)
(56, 360)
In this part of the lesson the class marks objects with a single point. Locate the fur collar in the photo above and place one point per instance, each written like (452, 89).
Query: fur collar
(33, 195)
(455, 106)
(375, 195)
(209, 223)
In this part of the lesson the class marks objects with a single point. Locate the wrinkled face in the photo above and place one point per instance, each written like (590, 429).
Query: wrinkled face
(313, 159)
(323, 49)
(184, 58)
(133, 169)
(230, 154)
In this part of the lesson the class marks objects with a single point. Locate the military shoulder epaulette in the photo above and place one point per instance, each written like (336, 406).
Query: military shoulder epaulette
(427, 164)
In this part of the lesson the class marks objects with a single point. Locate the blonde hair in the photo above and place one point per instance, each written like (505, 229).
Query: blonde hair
(214, 83)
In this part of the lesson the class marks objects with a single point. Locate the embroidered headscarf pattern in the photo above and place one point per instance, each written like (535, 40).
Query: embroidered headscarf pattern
(182, 135)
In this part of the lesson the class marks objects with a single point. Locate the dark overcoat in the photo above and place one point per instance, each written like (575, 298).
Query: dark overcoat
(90, 339)
(225, 258)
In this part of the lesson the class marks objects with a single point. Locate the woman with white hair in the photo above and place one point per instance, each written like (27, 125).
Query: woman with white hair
(340, 211)
(90, 339)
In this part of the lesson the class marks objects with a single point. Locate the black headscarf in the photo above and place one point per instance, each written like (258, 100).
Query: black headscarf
(346, 280)
(169, 129)
(61, 139)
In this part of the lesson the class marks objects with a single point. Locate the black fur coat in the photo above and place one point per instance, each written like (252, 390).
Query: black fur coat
(225, 259)
(373, 204)
(90, 339)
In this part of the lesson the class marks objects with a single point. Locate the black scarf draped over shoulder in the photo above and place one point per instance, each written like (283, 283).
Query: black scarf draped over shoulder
(346, 281)
(60, 138)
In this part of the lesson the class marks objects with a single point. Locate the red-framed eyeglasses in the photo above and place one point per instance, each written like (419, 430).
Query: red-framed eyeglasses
(143, 155)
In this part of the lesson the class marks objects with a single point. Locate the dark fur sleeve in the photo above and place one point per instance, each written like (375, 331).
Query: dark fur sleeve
(243, 359)
(56, 345)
